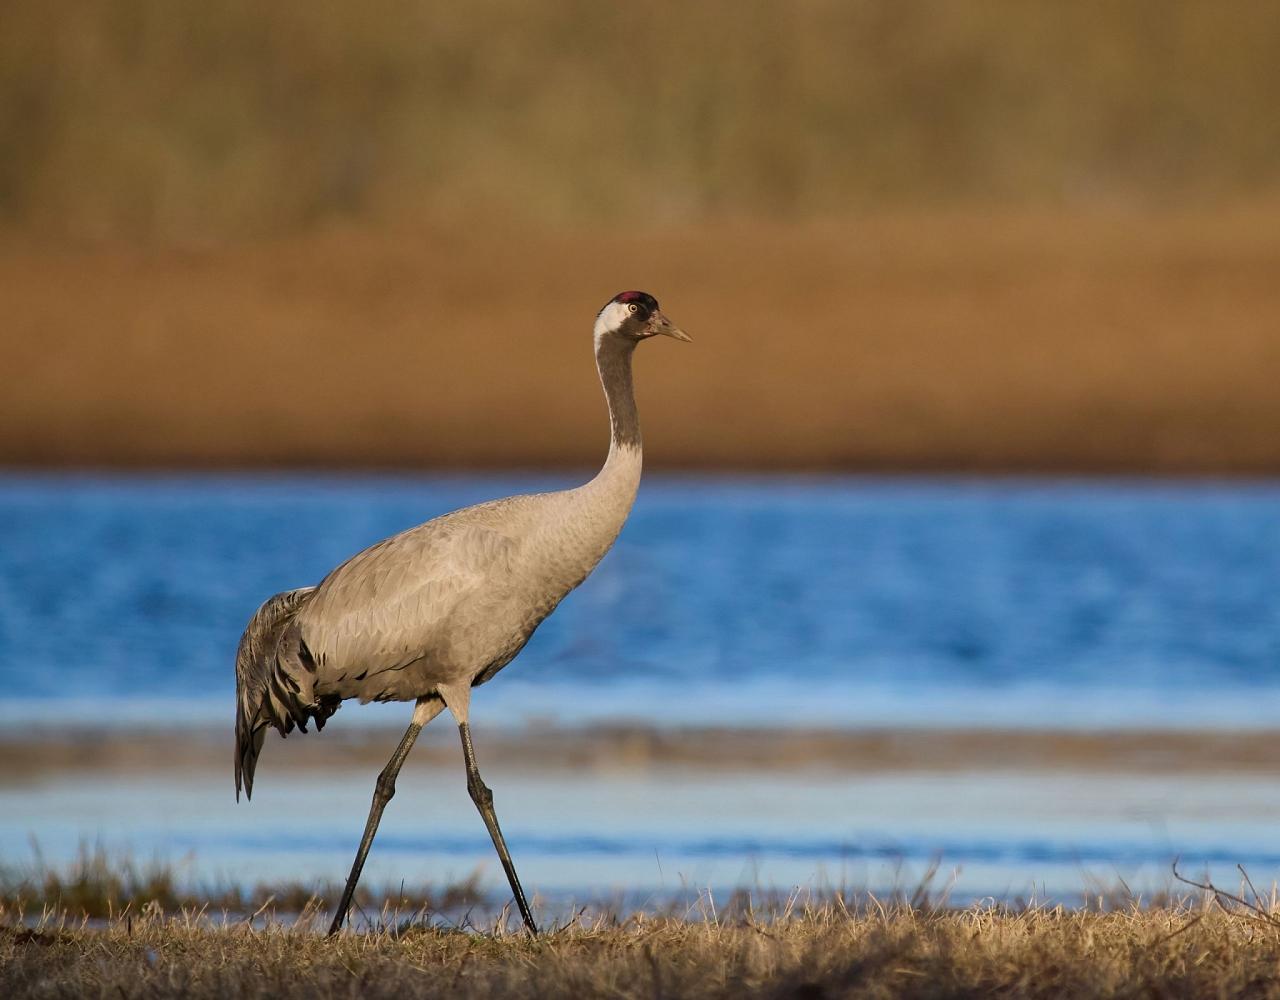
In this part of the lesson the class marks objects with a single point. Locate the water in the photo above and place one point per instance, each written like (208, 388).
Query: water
(729, 602)
(780, 602)
(662, 834)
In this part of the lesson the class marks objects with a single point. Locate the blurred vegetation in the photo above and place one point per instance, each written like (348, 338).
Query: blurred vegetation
(97, 884)
(181, 118)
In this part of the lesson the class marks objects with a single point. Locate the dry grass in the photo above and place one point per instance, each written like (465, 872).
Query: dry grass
(158, 942)
(176, 118)
(1024, 341)
(822, 951)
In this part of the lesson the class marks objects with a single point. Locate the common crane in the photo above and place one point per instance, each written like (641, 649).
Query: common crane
(430, 613)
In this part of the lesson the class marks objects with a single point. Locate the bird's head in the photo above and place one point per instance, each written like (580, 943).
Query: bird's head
(635, 316)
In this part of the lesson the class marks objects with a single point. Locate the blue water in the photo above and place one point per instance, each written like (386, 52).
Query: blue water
(1005, 834)
(833, 601)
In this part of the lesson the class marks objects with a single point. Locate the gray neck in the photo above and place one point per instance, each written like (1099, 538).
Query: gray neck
(613, 359)
(598, 509)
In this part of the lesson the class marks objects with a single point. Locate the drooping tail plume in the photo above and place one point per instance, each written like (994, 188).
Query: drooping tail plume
(273, 686)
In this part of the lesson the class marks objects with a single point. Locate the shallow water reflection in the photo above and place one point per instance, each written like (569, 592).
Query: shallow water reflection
(1011, 835)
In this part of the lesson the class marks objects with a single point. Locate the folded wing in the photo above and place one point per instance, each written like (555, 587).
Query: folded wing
(391, 604)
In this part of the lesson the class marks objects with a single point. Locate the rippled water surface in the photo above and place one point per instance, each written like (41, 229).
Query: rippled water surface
(789, 601)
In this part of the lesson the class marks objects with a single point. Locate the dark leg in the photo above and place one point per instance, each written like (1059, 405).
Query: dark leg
(382, 793)
(483, 798)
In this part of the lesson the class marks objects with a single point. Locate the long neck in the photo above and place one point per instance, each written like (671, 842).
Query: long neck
(596, 511)
(621, 471)
(613, 359)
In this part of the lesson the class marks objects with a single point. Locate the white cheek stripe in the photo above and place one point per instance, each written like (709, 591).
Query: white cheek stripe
(611, 317)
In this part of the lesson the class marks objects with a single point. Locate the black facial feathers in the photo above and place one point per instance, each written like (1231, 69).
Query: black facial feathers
(646, 305)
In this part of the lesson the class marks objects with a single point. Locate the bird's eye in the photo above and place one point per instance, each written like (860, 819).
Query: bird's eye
(632, 307)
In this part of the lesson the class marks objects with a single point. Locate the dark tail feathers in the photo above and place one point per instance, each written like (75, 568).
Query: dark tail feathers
(273, 684)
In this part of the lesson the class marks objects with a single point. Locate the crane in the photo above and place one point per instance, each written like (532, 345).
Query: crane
(428, 614)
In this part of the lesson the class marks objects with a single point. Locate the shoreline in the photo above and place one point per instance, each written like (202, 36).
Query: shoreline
(41, 752)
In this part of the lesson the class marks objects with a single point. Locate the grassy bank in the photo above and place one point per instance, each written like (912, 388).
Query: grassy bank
(824, 951)
(107, 927)
(969, 341)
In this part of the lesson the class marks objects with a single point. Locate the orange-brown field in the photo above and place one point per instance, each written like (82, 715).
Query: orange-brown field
(960, 341)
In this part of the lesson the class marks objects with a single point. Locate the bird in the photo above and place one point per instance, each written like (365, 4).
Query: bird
(430, 613)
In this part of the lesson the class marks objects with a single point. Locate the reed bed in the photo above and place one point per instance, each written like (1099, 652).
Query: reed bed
(162, 120)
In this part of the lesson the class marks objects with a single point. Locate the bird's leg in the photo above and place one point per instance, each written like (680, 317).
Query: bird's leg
(458, 698)
(382, 793)
(483, 798)
(423, 712)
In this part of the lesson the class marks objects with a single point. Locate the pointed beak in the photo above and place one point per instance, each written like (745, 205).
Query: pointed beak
(660, 324)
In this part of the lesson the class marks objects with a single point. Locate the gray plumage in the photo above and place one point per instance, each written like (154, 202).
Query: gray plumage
(427, 614)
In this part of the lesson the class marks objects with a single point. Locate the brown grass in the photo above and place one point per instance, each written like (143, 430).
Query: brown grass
(1025, 341)
(824, 951)
(108, 928)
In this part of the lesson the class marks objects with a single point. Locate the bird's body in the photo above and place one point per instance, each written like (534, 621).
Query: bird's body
(427, 614)
(449, 601)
